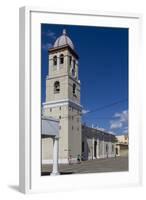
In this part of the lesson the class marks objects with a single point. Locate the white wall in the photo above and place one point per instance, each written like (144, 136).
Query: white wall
(9, 34)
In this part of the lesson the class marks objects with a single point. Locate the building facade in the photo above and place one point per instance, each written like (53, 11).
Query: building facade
(97, 144)
(122, 146)
(123, 139)
(63, 100)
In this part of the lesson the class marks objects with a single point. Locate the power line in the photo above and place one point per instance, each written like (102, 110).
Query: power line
(97, 109)
(99, 117)
(107, 106)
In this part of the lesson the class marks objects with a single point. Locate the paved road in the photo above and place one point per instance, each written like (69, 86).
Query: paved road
(91, 166)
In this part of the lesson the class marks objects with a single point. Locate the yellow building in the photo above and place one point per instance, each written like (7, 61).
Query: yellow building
(122, 145)
(123, 139)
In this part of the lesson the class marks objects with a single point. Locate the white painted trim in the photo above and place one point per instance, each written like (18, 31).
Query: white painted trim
(55, 105)
(52, 102)
(61, 161)
(50, 161)
(63, 102)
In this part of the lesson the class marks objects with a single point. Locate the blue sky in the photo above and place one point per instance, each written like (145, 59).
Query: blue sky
(103, 72)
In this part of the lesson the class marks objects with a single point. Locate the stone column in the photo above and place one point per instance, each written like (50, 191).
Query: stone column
(58, 61)
(86, 156)
(55, 156)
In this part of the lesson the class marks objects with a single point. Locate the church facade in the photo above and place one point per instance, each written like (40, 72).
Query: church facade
(63, 103)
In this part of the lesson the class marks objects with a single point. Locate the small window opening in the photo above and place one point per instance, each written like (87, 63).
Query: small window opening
(57, 87)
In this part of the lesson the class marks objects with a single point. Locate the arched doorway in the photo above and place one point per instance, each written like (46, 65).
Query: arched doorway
(117, 151)
(95, 149)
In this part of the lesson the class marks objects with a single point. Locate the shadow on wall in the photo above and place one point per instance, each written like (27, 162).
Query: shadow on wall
(85, 150)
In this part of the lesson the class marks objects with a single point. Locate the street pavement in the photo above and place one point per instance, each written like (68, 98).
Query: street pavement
(90, 166)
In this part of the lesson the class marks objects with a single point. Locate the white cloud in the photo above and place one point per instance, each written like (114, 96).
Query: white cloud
(85, 111)
(104, 130)
(115, 124)
(123, 116)
(121, 120)
(100, 128)
(111, 132)
(46, 46)
(51, 34)
(125, 129)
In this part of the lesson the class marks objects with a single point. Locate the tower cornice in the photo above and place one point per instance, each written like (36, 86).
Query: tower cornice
(63, 47)
(69, 102)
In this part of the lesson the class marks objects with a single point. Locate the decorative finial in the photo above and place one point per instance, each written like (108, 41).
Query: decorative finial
(64, 31)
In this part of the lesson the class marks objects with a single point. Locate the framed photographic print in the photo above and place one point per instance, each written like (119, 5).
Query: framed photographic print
(79, 100)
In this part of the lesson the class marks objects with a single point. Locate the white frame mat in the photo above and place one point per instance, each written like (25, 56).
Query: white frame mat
(30, 97)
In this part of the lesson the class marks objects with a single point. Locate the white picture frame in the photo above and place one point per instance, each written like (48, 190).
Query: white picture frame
(30, 177)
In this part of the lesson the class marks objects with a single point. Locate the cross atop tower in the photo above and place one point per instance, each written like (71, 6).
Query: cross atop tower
(64, 32)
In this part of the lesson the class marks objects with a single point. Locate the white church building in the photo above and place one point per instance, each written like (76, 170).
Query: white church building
(63, 103)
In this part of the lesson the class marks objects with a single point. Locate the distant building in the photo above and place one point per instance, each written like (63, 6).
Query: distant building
(63, 103)
(123, 139)
(122, 145)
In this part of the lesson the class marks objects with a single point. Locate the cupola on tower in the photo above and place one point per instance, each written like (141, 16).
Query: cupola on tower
(63, 99)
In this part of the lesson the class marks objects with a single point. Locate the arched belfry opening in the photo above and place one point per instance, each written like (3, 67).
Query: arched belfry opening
(61, 58)
(55, 60)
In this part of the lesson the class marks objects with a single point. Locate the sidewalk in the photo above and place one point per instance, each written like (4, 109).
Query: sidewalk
(91, 166)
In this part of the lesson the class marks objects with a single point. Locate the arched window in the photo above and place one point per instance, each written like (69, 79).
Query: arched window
(73, 71)
(70, 60)
(74, 89)
(106, 148)
(117, 151)
(61, 59)
(55, 60)
(74, 64)
(83, 147)
(57, 87)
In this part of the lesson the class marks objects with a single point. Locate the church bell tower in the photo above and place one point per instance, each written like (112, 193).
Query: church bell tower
(63, 99)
